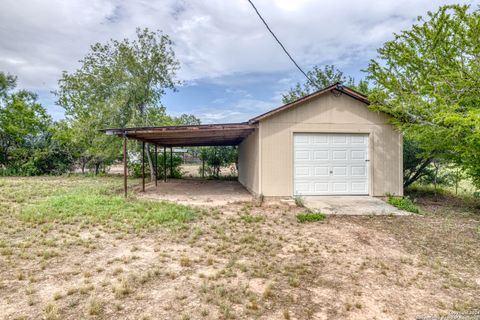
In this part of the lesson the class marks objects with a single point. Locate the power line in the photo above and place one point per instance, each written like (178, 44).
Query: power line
(281, 45)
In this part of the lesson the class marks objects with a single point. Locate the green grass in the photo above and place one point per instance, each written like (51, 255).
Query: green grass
(248, 218)
(41, 200)
(84, 203)
(310, 217)
(403, 203)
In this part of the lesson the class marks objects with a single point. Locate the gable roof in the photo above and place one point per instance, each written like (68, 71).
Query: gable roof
(336, 87)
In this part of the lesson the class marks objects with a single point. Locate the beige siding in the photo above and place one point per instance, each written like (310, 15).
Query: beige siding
(248, 162)
(329, 113)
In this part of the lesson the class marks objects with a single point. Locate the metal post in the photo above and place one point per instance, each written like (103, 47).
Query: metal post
(156, 165)
(171, 162)
(143, 166)
(164, 164)
(125, 172)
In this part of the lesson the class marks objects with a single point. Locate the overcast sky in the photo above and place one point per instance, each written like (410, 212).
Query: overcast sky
(232, 67)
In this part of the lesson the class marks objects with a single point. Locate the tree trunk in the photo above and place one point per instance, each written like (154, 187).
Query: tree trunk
(150, 163)
(97, 167)
(418, 174)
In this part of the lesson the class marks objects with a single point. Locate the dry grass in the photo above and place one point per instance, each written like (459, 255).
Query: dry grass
(239, 261)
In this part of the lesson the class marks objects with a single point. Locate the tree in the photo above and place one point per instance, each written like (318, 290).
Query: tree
(119, 84)
(415, 162)
(218, 157)
(22, 118)
(426, 78)
(322, 78)
(30, 143)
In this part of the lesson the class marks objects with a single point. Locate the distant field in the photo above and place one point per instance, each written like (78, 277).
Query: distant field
(72, 247)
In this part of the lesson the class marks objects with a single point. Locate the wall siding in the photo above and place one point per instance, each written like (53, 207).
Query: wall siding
(249, 162)
(329, 114)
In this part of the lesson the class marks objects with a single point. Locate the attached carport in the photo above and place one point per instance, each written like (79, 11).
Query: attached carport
(231, 134)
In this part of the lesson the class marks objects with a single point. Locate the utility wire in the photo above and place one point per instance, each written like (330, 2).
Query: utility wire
(281, 45)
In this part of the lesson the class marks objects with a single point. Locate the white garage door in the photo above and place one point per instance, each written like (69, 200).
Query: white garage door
(328, 164)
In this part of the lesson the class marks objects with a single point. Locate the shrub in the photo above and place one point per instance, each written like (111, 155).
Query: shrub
(299, 201)
(310, 217)
(404, 203)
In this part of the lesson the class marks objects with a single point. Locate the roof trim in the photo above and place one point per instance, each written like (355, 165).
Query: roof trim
(338, 87)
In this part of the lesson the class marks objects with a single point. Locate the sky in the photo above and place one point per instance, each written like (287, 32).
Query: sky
(231, 67)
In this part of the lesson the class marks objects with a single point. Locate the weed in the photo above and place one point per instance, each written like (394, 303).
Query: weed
(94, 306)
(310, 217)
(248, 218)
(51, 312)
(185, 261)
(299, 201)
(122, 288)
(403, 203)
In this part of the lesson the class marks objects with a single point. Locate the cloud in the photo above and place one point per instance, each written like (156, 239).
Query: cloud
(213, 39)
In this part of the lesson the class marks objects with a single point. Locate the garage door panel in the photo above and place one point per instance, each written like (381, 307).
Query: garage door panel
(321, 171)
(339, 155)
(302, 171)
(301, 139)
(360, 187)
(339, 139)
(356, 140)
(340, 187)
(330, 164)
(302, 187)
(302, 155)
(358, 171)
(321, 155)
(320, 187)
(358, 155)
(339, 171)
(320, 140)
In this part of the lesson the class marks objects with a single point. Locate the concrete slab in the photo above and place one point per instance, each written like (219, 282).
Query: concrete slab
(351, 205)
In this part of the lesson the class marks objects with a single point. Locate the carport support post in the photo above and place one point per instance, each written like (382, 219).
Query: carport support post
(125, 172)
(164, 164)
(171, 162)
(156, 165)
(143, 166)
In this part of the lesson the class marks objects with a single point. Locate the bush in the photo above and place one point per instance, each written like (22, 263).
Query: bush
(310, 217)
(135, 168)
(403, 203)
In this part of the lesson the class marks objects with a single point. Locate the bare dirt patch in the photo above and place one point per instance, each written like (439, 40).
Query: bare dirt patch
(242, 261)
(197, 192)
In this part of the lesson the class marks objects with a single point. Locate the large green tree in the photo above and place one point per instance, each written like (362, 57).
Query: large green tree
(321, 78)
(30, 142)
(428, 79)
(22, 118)
(119, 84)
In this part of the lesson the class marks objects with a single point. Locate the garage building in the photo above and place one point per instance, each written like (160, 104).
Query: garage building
(327, 143)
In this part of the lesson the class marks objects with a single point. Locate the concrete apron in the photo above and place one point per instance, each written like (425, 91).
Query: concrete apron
(351, 205)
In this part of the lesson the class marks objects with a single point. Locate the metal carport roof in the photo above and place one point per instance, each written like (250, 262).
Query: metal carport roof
(188, 135)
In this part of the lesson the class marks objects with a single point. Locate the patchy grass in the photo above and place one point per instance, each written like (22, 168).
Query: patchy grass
(85, 203)
(239, 261)
(403, 203)
(310, 217)
(87, 200)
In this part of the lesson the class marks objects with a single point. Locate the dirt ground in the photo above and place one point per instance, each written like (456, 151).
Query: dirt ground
(245, 261)
(197, 192)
